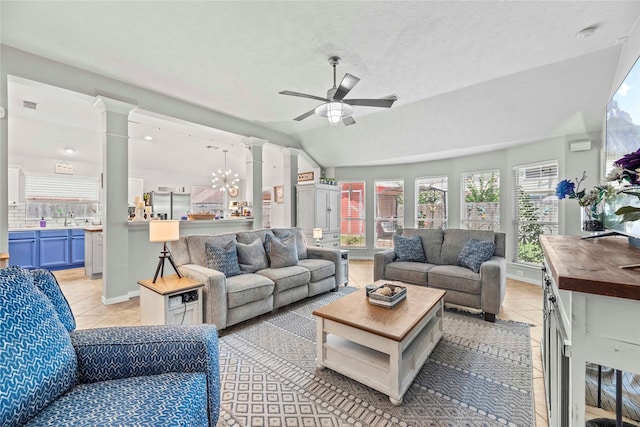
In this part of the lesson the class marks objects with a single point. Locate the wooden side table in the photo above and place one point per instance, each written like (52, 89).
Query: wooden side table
(171, 301)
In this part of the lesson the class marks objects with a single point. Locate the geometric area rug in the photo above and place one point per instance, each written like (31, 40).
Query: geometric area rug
(479, 374)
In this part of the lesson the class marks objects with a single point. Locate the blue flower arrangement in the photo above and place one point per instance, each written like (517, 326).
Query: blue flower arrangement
(626, 171)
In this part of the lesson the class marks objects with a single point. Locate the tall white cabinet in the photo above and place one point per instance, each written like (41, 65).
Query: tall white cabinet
(319, 207)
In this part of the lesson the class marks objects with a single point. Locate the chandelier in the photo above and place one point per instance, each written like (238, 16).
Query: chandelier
(225, 180)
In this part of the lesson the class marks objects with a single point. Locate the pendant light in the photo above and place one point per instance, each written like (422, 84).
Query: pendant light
(224, 180)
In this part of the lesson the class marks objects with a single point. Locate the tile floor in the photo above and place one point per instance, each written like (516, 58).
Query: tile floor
(523, 303)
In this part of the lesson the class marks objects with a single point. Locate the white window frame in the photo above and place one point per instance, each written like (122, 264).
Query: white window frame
(550, 202)
(417, 214)
(362, 218)
(491, 225)
(389, 224)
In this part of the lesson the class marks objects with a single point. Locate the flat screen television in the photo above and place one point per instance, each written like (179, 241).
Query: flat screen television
(622, 136)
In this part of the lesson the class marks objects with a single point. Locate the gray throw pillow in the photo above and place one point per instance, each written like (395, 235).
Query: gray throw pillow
(224, 259)
(252, 257)
(474, 253)
(409, 248)
(281, 252)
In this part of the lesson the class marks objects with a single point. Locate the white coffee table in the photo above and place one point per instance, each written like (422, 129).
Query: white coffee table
(383, 348)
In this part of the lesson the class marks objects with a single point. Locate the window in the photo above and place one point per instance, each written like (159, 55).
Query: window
(389, 204)
(55, 196)
(432, 206)
(481, 207)
(535, 210)
(352, 215)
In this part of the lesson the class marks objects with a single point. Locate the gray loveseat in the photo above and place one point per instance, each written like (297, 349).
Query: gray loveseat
(483, 290)
(266, 281)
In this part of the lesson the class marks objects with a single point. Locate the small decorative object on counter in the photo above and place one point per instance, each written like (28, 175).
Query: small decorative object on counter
(43, 222)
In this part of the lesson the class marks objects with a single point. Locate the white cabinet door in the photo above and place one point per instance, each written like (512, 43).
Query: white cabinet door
(322, 209)
(13, 184)
(333, 213)
(135, 188)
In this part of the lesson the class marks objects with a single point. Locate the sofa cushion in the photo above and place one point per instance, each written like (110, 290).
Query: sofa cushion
(319, 268)
(455, 278)
(246, 288)
(196, 245)
(411, 272)
(431, 242)
(37, 361)
(224, 259)
(252, 256)
(474, 253)
(132, 401)
(298, 233)
(409, 248)
(454, 240)
(48, 285)
(247, 237)
(281, 252)
(286, 277)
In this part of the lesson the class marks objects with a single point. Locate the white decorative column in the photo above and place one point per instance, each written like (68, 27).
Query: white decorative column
(253, 181)
(4, 163)
(290, 178)
(115, 159)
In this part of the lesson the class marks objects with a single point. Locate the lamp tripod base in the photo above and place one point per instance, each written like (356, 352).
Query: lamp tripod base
(160, 268)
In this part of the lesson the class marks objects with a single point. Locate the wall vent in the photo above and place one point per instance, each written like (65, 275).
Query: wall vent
(30, 104)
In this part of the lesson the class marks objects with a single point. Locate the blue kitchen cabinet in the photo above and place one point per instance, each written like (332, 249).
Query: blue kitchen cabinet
(54, 250)
(23, 250)
(77, 247)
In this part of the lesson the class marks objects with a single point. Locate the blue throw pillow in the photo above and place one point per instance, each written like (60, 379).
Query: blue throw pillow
(225, 259)
(409, 249)
(37, 361)
(48, 284)
(474, 253)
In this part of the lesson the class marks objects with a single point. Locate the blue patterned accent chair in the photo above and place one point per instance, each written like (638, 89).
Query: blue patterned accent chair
(57, 376)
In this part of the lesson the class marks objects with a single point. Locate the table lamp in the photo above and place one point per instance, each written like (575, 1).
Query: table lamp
(164, 231)
(317, 234)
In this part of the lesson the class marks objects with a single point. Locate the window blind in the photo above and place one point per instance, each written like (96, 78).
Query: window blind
(61, 187)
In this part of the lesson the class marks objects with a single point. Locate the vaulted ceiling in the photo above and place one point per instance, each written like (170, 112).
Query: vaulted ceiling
(470, 76)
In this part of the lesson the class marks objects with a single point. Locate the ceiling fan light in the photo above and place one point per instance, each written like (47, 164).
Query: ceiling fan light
(334, 111)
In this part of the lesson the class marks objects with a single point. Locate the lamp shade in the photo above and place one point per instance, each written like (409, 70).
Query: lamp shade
(164, 231)
(317, 233)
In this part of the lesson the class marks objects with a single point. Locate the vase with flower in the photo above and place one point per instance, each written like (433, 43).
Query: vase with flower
(591, 201)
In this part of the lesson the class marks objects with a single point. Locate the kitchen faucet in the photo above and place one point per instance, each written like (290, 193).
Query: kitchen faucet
(67, 218)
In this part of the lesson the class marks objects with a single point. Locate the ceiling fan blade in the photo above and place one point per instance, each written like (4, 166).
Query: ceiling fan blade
(348, 121)
(303, 95)
(383, 103)
(347, 83)
(305, 115)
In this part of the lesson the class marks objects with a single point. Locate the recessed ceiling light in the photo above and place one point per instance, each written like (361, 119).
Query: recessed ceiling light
(69, 150)
(148, 137)
(586, 32)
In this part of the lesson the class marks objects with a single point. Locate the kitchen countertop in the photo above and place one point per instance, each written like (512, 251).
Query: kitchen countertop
(88, 227)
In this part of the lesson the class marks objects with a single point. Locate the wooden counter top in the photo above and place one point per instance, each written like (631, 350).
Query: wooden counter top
(593, 265)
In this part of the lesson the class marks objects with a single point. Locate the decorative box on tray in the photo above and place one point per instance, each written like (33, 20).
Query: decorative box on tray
(386, 293)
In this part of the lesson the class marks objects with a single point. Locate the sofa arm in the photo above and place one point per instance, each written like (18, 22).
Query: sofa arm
(333, 255)
(380, 261)
(214, 293)
(122, 352)
(493, 274)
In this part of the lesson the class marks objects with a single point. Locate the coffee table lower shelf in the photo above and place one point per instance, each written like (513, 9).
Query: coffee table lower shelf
(381, 363)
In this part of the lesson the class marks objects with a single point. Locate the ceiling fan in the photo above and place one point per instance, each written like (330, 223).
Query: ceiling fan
(335, 108)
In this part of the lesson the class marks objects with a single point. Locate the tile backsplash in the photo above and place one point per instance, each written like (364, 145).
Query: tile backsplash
(17, 218)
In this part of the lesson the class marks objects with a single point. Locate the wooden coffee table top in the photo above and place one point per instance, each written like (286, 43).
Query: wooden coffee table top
(394, 323)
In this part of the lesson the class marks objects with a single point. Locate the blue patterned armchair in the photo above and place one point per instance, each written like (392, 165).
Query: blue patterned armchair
(52, 374)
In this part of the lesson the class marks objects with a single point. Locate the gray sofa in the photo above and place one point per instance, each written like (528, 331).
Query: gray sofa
(258, 290)
(483, 290)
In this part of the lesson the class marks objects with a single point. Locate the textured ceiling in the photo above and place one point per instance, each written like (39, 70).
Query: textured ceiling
(235, 57)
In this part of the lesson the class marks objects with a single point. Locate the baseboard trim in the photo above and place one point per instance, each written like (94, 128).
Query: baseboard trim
(121, 298)
(523, 279)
